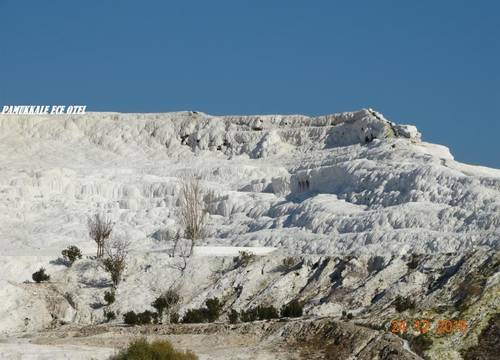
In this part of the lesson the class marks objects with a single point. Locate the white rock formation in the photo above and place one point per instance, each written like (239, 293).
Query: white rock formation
(351, 183)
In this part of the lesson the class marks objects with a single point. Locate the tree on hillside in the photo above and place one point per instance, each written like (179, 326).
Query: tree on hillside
(99, 230)
(40, 276)
(114, 262)
(71, 254)
(193, 211)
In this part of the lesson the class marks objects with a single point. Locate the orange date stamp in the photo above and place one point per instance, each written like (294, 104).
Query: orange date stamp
(424, 326)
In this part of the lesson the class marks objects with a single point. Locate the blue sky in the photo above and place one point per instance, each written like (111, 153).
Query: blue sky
(434, 64)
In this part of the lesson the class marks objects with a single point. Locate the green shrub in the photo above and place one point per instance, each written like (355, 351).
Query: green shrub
(109, 315)
(249, 315)
(213, 309)
(166, 301)
(71, 254)
(155, 317)
(145, 317)
(267, 312)
(403, 303)
(259, 313)
(40, 276)
(130, 318)
(233, 316)
(157, 350)
(172, 297)
(194, 316)
(346, 315)
(109, 297)
(160, 304)
(174, 318)
(115, 267)
(293, 309)
(210, 313)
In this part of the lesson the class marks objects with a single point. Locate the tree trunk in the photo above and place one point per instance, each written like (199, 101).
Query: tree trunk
(192, 248)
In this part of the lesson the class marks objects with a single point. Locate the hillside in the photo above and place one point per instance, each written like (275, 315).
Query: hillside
(351, 182)
(367, 210)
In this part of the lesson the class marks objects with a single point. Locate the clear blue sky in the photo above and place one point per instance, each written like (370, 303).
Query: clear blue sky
(434, 64)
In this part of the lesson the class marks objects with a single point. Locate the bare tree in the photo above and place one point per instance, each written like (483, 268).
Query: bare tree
(183, 249)
(116, 255)
(193, 211)
(176, 243)
(99, 230)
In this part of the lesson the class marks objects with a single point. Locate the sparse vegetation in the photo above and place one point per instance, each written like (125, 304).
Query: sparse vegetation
(193, 316)
(109, 297)
(403, 303)
(143, 318)
(130, 318)
(193, 211)
(288, 263)
(249, 315)
(210, 313)
(166, 301)
(40, 276)
(259, 313)
(159, 304)
(115, 260)
(172, 297)
(244, 258)
(100, 229)
(157, 350)
(109, 315)
(233, 316)
(174, 318)
(213, 309)
(347, 315)
(267, 312)
(71, 254)
(293, 309)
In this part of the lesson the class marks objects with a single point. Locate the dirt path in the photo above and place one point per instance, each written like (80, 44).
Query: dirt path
(262, 340)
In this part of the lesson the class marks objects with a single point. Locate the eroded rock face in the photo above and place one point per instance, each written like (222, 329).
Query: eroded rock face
(364, 294)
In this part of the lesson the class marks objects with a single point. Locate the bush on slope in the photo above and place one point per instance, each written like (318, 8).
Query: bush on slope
(157, 350)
